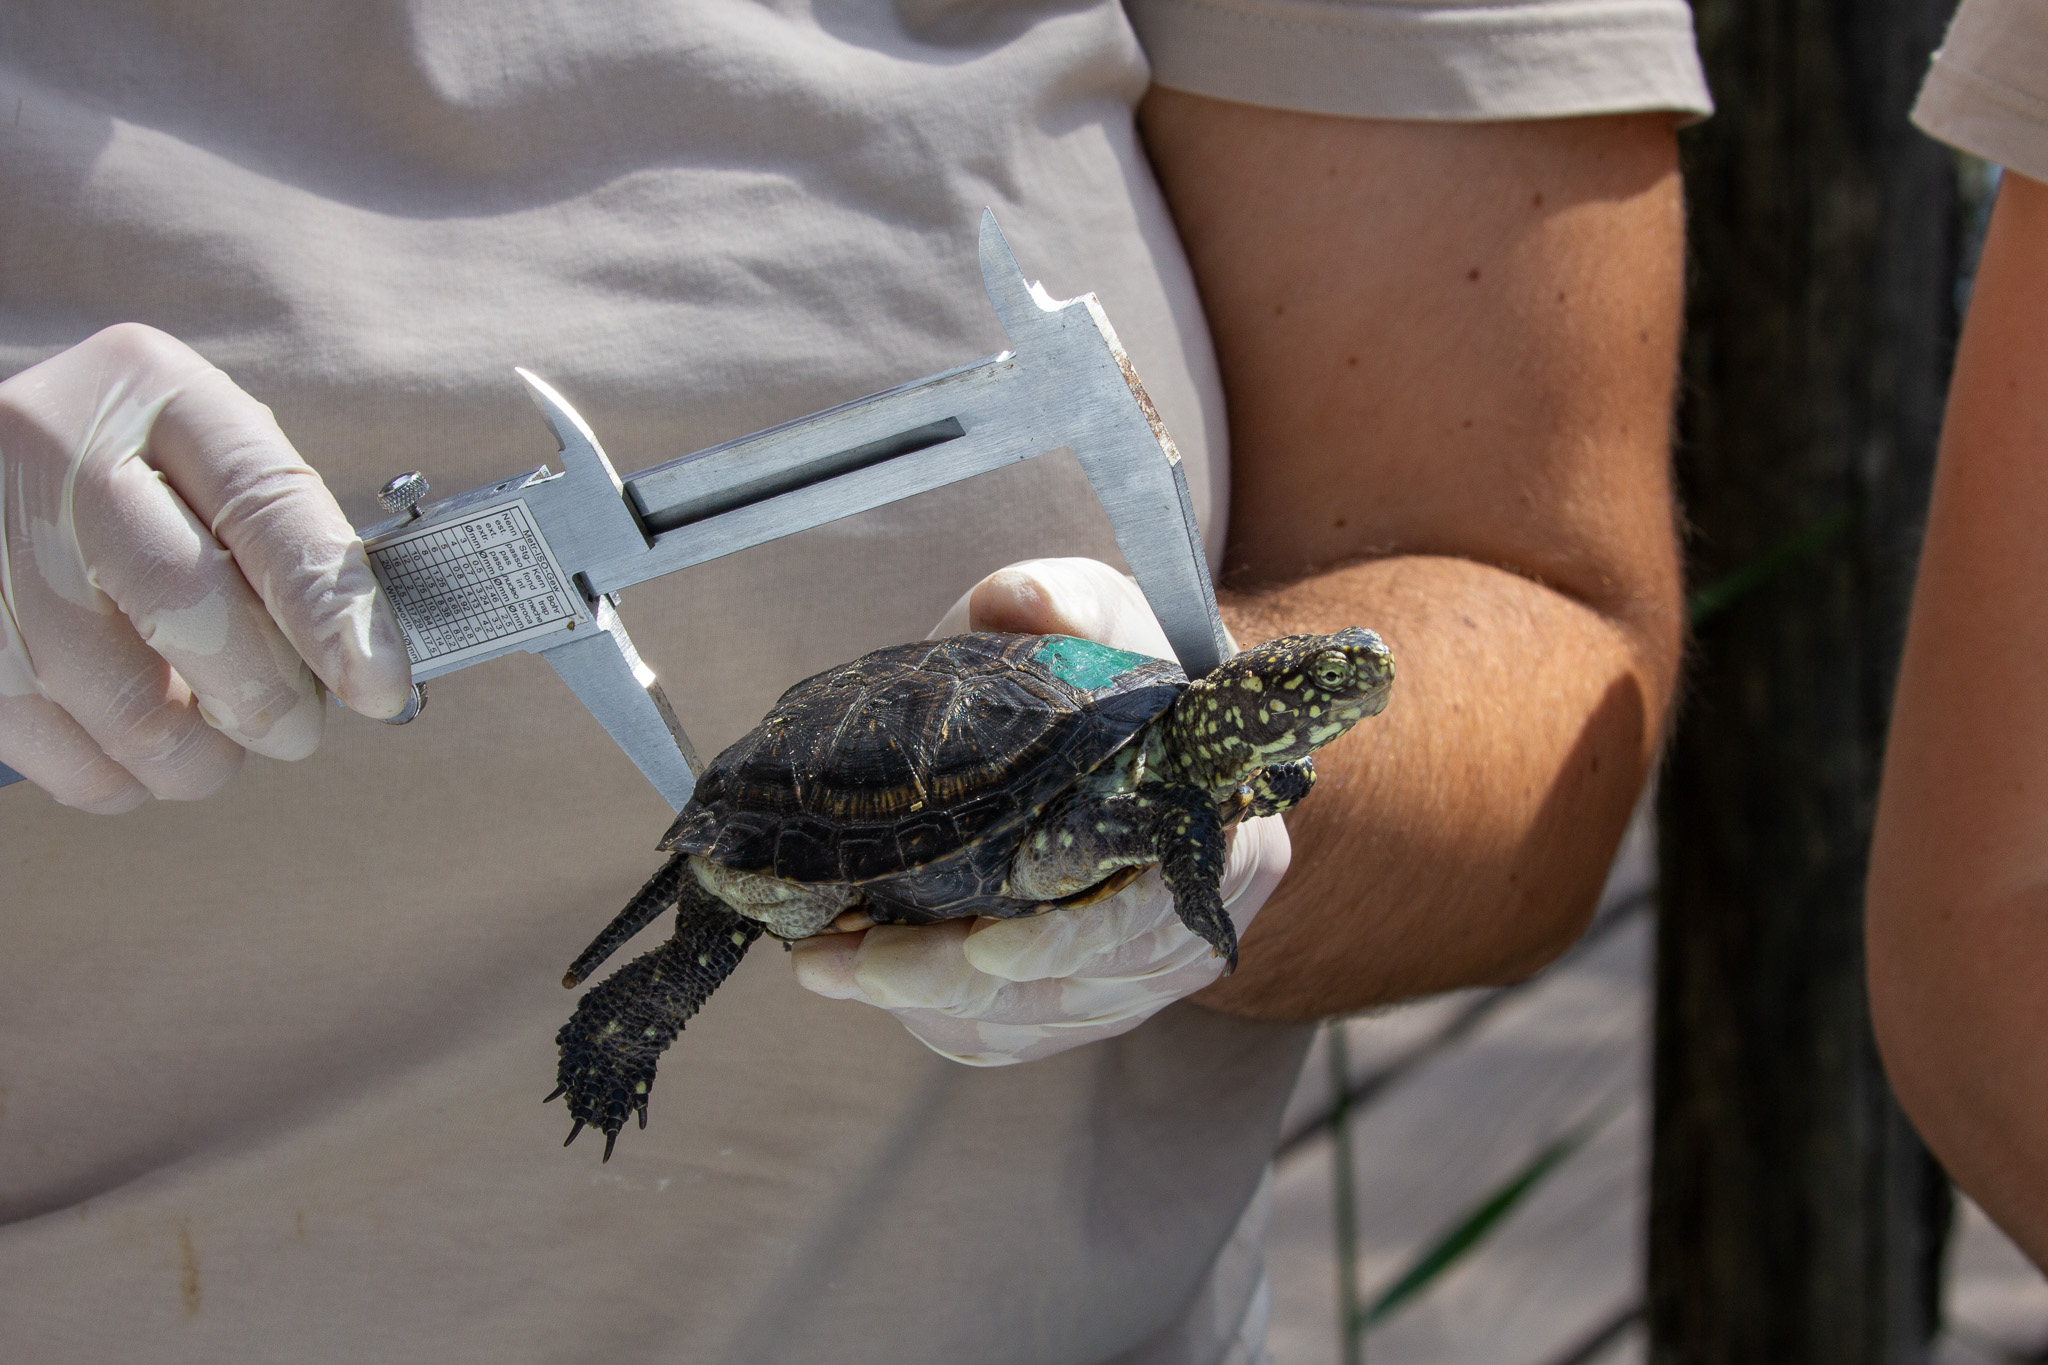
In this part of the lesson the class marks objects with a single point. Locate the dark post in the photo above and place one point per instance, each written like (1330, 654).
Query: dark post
(1794, 1215)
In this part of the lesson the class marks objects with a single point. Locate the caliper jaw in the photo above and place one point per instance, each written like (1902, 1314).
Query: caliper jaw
(507, 562)
(586, 516)
(605, 672)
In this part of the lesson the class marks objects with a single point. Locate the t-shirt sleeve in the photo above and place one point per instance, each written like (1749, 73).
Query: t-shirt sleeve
(1987, 91)
(1429, 59)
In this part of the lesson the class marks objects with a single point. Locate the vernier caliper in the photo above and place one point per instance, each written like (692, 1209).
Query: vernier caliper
(532, 563)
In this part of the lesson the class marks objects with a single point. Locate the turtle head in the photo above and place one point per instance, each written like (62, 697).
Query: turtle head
(1278, 702)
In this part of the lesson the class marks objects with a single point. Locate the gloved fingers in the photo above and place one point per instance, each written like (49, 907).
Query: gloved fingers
(983, 1021)
(1080, 597)
(895, 967)
(968, 1041)
(98, 441)
(181, 596)
(927, 978)
(903, 966)
(1050, 1003)
(1166, 947)
(824, 965)
(1069, 1002)
(899, 968)
(125, 696)
(1024, 1035)
(64, 641)
(39, 740)
(1069, 942)
(224, 454)
(131, 394)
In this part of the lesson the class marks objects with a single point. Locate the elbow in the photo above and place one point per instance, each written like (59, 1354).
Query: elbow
(1957, 1013)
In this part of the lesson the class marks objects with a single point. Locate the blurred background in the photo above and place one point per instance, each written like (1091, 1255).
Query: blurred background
(1499, 1158)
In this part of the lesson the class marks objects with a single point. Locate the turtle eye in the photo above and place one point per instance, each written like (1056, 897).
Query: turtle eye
(1331, 670)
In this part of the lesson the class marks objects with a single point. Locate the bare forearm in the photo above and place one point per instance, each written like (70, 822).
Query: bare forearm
(1958, 898)
(1448, 353)
(1462, 836)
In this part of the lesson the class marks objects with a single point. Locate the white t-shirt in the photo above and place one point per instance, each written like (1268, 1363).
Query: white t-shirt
(1987, 91)
(271, 1064)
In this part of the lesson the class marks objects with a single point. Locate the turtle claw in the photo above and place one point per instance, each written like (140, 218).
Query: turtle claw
(611, 1135)
(1222, 942)
(1281, 786)
(555, 1094)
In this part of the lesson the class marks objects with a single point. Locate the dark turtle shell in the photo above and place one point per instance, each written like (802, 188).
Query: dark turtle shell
(939, 752)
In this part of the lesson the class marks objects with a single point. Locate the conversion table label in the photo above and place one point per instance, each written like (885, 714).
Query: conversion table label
(479, 585)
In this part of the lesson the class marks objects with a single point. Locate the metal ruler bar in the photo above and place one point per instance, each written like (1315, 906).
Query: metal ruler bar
(877, 427)
(976, 451)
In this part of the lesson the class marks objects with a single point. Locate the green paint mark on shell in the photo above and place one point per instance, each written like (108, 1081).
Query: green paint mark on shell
(1084, 663)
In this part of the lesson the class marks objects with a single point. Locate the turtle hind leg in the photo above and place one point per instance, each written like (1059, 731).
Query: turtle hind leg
(657, 895)
(1188, 834)
(611, 1045)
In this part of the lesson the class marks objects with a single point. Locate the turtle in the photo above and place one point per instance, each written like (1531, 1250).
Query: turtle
(978, 774)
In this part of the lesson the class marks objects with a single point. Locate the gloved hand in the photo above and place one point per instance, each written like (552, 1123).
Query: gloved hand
(991, 992)
(169, 567)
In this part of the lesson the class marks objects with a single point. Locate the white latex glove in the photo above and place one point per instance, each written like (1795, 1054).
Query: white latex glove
(169, 567)
(991, 992)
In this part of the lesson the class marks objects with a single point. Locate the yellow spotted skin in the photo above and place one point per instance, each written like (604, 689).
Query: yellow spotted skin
(1275, 704)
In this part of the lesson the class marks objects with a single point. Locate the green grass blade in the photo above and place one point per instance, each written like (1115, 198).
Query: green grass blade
(1345, 1215)
(1455, 1244)
(1724, 593)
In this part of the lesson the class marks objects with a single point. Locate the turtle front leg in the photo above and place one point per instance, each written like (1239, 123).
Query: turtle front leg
(611, 1045)
(1281, 786)
(1085, 838)
(1189, 838)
